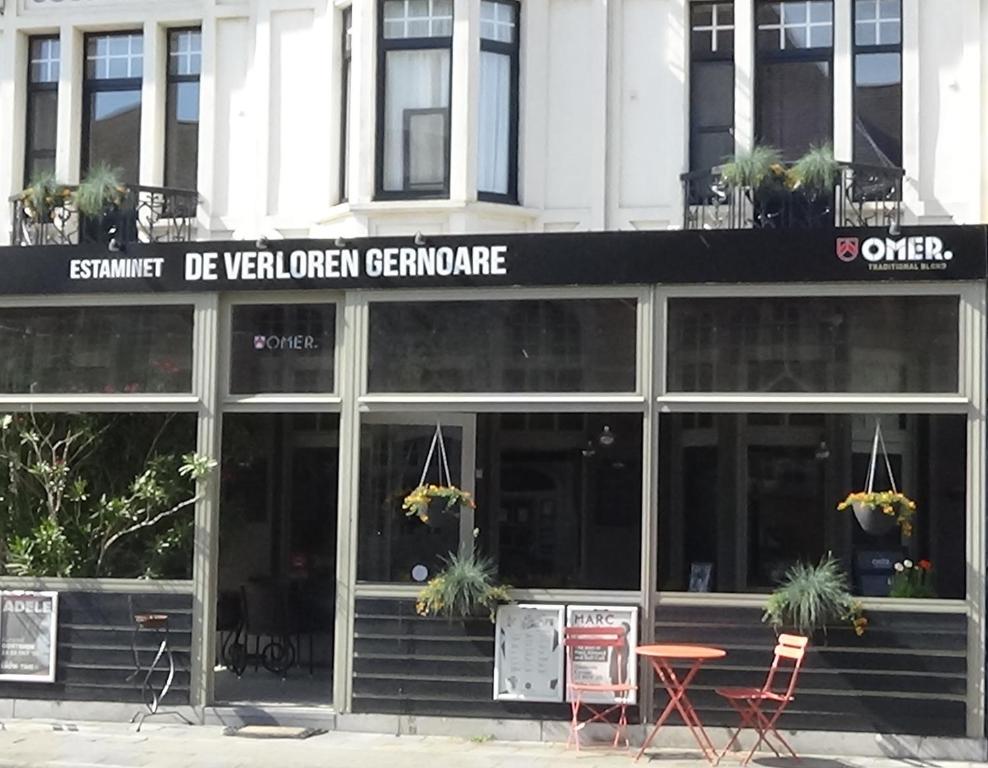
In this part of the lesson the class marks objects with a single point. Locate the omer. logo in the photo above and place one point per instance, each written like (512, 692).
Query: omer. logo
(876, 249)
(298, 341)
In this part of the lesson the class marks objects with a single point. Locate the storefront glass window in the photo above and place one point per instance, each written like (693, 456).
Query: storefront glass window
(96, 349)
(503, 346)
(745, 496)
(393, 546)
(97, 495)
(559, 498)
(282, 348)
(864, 344)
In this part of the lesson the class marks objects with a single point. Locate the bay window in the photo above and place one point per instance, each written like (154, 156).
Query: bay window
(415, 53)
(498, 118)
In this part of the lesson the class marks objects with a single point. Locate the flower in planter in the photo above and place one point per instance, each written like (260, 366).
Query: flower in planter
(890, 503)
(419, 501)
(912, 580)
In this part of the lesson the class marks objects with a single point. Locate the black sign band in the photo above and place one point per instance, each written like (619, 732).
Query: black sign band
(604, 258)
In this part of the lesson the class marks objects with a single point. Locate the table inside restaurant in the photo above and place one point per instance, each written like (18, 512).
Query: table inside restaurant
(664, 658)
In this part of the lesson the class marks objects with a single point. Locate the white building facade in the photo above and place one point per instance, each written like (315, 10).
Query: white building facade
(553, 115)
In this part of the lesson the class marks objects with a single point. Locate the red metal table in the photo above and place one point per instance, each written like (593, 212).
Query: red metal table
(662, 659)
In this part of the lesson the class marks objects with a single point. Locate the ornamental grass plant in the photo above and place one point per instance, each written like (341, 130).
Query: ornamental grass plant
(813, 597)
(464, 587)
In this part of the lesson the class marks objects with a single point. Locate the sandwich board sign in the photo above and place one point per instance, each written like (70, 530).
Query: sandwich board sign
(28, 636)
(606, 666)
(529, 653)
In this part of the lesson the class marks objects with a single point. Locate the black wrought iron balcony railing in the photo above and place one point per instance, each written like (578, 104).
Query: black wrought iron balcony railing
(862, 196)
(144, 214)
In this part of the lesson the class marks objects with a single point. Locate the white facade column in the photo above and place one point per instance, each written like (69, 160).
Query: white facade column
(68, 142)
(259, 87)
(206, 170)
(842, 78)
(911, 113)
(363, 102)
(532, 117)
(744, 74)
(13, 86)
(464, 101)
(153, 92)
(600, 23)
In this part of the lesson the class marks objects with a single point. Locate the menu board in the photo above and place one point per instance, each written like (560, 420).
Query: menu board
(28, 629)
(605, 666)
(529, 653)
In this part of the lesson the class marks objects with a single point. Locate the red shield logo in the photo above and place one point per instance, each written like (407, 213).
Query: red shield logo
(847, 248)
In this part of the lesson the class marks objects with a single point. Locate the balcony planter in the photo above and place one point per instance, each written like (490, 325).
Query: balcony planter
(103, 214)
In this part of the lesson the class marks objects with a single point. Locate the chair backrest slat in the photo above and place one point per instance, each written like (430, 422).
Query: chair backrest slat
(793, 649)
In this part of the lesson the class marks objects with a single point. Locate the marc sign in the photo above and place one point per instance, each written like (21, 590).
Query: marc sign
(917, 252)
(28, 636)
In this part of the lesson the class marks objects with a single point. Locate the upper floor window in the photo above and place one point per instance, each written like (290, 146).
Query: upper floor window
(497, 144)
(794, 92)
(182, 116)
(44, 60)
(415, 52)
(711, 83)
(878, 82)
(114, 68)
(347, 48)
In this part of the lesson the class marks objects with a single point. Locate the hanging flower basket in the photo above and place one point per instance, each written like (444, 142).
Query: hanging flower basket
(878, 512)
(429, 500)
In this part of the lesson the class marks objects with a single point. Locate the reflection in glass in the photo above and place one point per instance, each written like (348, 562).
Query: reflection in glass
(182, 132)
(870, 344)
(559, 499)
(503, 346)
(416, 118)
(115, 131)
(282, 348)
(878, 116)
(795, 105)
(277, 553)
(96, 349)
(752, 494)
(391, 544)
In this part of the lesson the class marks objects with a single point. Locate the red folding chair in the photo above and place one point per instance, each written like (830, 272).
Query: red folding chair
(760, 708)
(594, 641)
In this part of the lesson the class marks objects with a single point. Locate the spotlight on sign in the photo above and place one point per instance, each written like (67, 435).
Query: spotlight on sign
(419, 239)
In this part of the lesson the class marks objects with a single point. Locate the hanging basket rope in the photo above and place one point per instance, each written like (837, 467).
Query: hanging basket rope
(878, 511)
(420, 502)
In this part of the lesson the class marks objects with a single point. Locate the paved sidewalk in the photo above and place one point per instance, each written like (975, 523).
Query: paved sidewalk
(47, 744)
